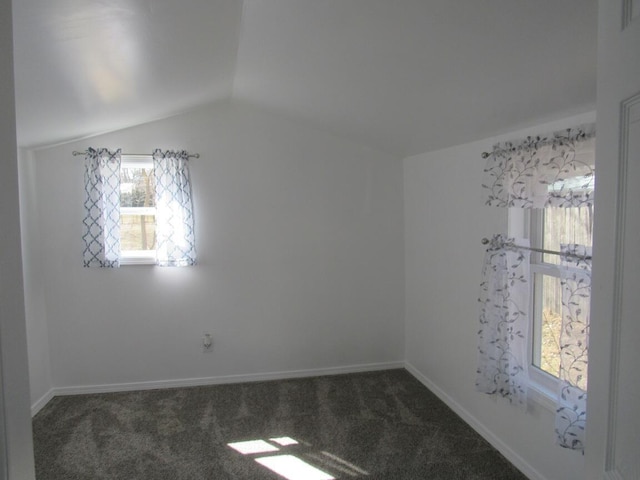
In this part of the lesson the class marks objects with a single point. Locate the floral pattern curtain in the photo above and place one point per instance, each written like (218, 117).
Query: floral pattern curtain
(555, 170)
(101, 225)
(175, 227)
(504, 321)
(574, 347)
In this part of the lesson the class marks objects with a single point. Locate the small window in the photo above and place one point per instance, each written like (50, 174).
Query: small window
(551, 227)
(137, 210)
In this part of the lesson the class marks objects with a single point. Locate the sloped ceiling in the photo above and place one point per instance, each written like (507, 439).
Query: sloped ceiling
(403, 76)
(89, 66)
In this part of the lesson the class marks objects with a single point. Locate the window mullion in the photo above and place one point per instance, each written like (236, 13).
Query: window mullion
(536, 316)
(547, 269)
(138, 210)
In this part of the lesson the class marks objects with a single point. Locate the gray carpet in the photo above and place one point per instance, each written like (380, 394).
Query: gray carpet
(380, 425)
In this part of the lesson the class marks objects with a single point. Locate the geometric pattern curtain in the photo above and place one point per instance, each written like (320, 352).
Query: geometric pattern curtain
(101, 224)
(504, 321)
(555, 170)
(571, 409)
(175, 236)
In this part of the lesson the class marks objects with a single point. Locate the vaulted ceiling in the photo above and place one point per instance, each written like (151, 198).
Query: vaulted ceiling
(403, 76)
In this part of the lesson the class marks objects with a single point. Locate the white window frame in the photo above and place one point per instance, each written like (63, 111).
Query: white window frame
(542, 379)
(527, 223)
(137, 257)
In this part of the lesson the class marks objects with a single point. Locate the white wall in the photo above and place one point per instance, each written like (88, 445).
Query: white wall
(300, 246)
(302, 266)
(445, 219)
(613, 435)
(16, 448)
(36, 318)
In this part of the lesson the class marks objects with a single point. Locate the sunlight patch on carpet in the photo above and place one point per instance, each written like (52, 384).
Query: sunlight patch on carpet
(284, 441)
(285, 457)
(349, 465)
(293, 468)
(253, 446)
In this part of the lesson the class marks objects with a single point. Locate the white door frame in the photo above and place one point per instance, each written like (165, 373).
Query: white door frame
(612, 433)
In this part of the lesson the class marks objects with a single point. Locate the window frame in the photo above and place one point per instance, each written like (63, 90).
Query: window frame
(137, 257)
(526, 223)
(542, 379)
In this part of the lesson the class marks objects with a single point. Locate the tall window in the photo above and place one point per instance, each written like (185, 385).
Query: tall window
(137, 210)
(550, 228)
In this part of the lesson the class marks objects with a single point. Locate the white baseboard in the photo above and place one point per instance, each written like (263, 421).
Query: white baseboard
(487, 434)
(196, 382)
(42, 401)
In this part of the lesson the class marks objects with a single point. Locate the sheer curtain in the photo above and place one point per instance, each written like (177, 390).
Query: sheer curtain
(101, 224)
(555, 170)
(174, 209)
(574, 340)
(504, 321)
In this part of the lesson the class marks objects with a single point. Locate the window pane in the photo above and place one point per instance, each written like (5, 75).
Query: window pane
(137, 192)
(566, 225)
(137, 232)
(137, 187)
(551, 324)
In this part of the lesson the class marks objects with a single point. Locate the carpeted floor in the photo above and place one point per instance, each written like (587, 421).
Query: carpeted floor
(374, 426)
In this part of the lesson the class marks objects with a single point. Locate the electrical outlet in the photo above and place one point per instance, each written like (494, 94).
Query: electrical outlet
(207, 342)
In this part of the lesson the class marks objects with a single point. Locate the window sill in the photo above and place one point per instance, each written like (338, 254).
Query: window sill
(543, 388)
(542, 396)
(138, 258)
